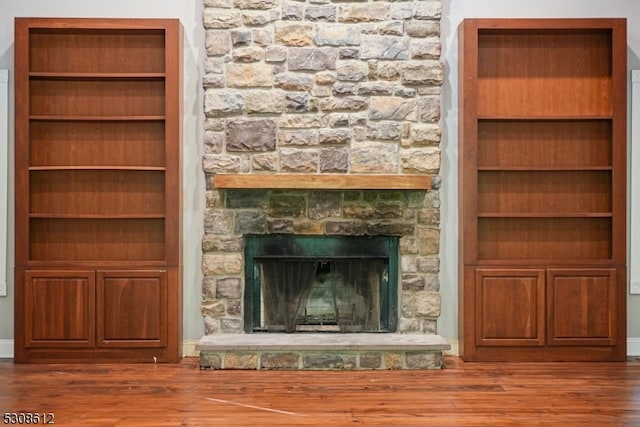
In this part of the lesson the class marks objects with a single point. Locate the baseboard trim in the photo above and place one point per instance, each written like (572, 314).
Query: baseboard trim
(189, 348)
(6, 349)
(633, 346)
(455, 348)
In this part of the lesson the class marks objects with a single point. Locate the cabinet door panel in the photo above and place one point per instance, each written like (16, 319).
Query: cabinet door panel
(132, 309)
(582, 306)
(59, 309)
(510, 307)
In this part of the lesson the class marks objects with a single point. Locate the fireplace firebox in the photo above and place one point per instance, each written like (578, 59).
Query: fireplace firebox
(320, 283)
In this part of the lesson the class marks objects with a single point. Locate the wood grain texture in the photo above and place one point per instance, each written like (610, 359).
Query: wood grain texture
(323, 182)
(462, 394)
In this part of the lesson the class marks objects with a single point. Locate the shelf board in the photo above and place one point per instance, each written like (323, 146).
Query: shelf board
(486, 117)
(94, 216)
(322, 181)
(75, 118)
(96, 76)
(544, 168)
(97, 168)
(550, 215)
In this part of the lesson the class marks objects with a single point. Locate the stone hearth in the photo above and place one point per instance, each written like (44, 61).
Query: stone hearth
(315, 88)
(322, 351)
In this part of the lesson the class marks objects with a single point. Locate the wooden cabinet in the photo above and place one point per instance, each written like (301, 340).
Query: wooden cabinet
(542, 163)
(98, 181)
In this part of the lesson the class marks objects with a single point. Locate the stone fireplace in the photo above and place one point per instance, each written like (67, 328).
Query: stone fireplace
(322, 123)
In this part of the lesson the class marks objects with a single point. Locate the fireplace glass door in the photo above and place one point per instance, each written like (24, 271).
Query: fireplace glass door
(320, 284)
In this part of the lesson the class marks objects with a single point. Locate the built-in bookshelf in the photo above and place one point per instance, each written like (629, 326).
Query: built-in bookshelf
(98, 145)
(542, 189)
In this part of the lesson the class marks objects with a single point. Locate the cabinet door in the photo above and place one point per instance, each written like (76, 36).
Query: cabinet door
(59, 309)
(131, 308)
(509, 307)
(582, 306)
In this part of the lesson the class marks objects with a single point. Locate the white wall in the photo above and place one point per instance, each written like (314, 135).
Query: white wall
(189, 12)
(453, 13)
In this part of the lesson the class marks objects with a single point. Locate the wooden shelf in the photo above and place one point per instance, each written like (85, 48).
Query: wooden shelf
(97, 76)
(323, 182)
(98, 220)
(94, 118)
(97, 168)
(542, 189)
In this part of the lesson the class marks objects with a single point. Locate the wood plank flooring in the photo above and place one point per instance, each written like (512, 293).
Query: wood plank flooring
(462, 394)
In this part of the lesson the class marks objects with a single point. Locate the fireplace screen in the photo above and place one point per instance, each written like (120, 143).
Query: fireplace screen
(320, 284)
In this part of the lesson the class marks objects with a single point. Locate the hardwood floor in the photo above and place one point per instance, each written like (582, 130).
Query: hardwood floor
(462, 394)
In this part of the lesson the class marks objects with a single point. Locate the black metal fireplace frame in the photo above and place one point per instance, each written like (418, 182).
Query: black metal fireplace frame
(287, 246)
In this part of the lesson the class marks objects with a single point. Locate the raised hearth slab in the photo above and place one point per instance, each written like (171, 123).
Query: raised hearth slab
(321, 351)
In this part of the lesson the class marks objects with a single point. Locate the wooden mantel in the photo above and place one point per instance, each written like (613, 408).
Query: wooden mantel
(322, 181)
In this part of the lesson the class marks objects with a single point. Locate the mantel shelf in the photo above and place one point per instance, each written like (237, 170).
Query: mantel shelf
(322, 181)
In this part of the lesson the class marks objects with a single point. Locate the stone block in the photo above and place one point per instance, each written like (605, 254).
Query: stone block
(431, 10)
(384, 47)
(421, 304)
(351, 71)
(254, 18)
(265, 102)
(228, 287)
(251, 135)
(425, 134)
(334, 136)
(429, 238)
(248, 54)
(304, 137)
(348, 103)
(429, 107)
(298, 160)
(367, 12)
(324, 204)
(417, 28)
(255, 4)
(425, 72)
(393, 108)
(287, 205)
(293, 81)
(209, 360)
(214, 243)
(275, 54)
(423, 360)
(329, 361)
(423, 160)
(370, 361)
(311, 59)
(218, 103)
(393, 360)
(337, 35)
(249, 75)
(279, 361)
(374, 157)
(427, 48)
(385, 131)
(236, 360)
(325, 13)
(265, 162)
(294, 33)
(250, 222)
(215, 18)
(246, 199)
(217, 221)
(217, 42)
(334, 160)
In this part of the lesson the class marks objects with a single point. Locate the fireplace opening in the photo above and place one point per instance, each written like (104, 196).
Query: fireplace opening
(320, 283)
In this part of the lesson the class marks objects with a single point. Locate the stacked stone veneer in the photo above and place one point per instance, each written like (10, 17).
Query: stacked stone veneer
(319, 87)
